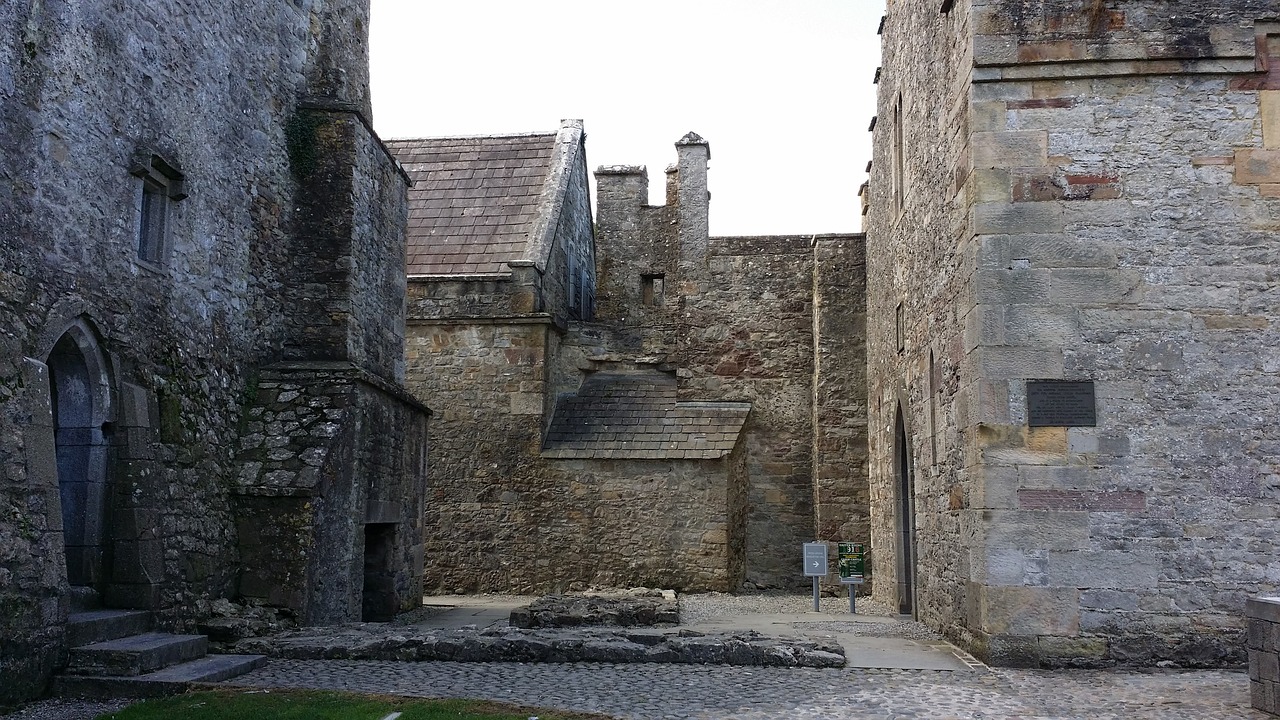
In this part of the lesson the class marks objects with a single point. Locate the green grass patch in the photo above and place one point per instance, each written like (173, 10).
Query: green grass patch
(246, 704)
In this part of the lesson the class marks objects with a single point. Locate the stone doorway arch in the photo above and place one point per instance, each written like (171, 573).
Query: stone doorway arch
(905, 494)
(80, 395)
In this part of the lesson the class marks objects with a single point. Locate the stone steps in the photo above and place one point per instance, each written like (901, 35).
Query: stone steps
(114, 655)
(95, 626)
(168, 681)
(136, 654)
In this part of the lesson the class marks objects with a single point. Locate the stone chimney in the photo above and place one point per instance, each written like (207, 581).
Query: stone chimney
(620, 192)
(692, 197)
(337, 69)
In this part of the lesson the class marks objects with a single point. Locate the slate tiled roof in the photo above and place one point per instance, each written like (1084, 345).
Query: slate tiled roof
(635, 415)
(474, 200)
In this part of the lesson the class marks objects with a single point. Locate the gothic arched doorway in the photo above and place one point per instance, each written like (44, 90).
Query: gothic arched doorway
(906, 493)
(79, 394)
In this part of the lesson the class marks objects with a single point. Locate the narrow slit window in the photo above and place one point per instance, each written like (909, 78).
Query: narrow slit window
(899, 171)
(652, 289)
(900, 329)
(151, 221)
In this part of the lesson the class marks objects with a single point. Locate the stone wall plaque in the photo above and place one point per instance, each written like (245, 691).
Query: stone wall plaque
(1061, 403)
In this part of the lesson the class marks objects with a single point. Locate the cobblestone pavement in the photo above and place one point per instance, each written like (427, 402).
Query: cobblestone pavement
(653, 692)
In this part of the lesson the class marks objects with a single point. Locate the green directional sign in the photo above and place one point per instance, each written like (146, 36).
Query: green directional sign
(851, 562)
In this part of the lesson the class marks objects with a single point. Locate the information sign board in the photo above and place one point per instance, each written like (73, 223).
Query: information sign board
(852, 562)
(815, 559)
(1061, 403)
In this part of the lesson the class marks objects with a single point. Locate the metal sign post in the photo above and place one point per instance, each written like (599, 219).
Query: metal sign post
(815, 566)
(852, 566)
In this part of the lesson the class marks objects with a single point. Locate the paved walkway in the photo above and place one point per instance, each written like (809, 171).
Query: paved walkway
(707, 692)
(911, 676)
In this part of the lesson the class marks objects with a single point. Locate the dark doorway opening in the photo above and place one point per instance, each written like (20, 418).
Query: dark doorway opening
(81, 455)
(378, 601)
(906, 519)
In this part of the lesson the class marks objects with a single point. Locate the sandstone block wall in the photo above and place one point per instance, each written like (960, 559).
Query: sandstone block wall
(486, 384)
(478, 351)
(501, 518)
(1264, 653)
(747, 333)
(1105, 219)
(841, 497)
(747, 319)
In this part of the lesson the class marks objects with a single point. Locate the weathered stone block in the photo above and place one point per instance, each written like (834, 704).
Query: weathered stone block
(1039, 326)
(995, 49)
(1035, 530)
(1075, 651)
(1257, 167)
(526, 404)
(1266, 609)
(990, 185)
(1030, 52)
(1017, 286)
(1019, 362)
(1017, 218)
(1269, 114)
(1114, 569)
(994, 488)
(1092, 286)
(1264, 665)
(1030, 610)
(1010, 149)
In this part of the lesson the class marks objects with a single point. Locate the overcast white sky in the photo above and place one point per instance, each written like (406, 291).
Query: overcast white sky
(780, 88)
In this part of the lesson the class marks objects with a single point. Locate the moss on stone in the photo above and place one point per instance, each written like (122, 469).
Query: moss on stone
(301, 142)
(171, 428)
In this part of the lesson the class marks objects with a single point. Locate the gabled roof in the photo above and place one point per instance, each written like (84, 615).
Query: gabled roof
(477, 203)
(635, 415)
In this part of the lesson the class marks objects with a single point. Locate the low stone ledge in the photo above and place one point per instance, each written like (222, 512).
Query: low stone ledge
(639, 609)
(366, 642)
(1264, 653)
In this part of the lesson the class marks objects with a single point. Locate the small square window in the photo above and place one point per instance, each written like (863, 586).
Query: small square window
(160, 185)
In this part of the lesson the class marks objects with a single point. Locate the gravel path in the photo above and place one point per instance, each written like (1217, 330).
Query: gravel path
(67, 709)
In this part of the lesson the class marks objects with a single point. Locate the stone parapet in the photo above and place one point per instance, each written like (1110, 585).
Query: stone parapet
(1263, 614)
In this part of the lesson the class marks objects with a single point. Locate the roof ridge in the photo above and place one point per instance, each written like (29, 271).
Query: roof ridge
(494, 136)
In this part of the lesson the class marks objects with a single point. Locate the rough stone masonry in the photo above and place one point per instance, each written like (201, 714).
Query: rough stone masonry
(201, 322)
(1083, 192)
(634, 403)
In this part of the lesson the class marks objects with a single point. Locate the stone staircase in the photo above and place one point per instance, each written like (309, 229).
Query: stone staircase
(114, 654)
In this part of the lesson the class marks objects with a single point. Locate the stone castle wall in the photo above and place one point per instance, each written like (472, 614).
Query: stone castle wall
(919, 267)
(92, 97)
(1109, 218)
(327, 450)
(736, 316)
(746, 333)
(485, 383)
(477, 351)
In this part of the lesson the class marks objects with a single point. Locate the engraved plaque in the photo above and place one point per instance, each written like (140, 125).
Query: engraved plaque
(1061, 403)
